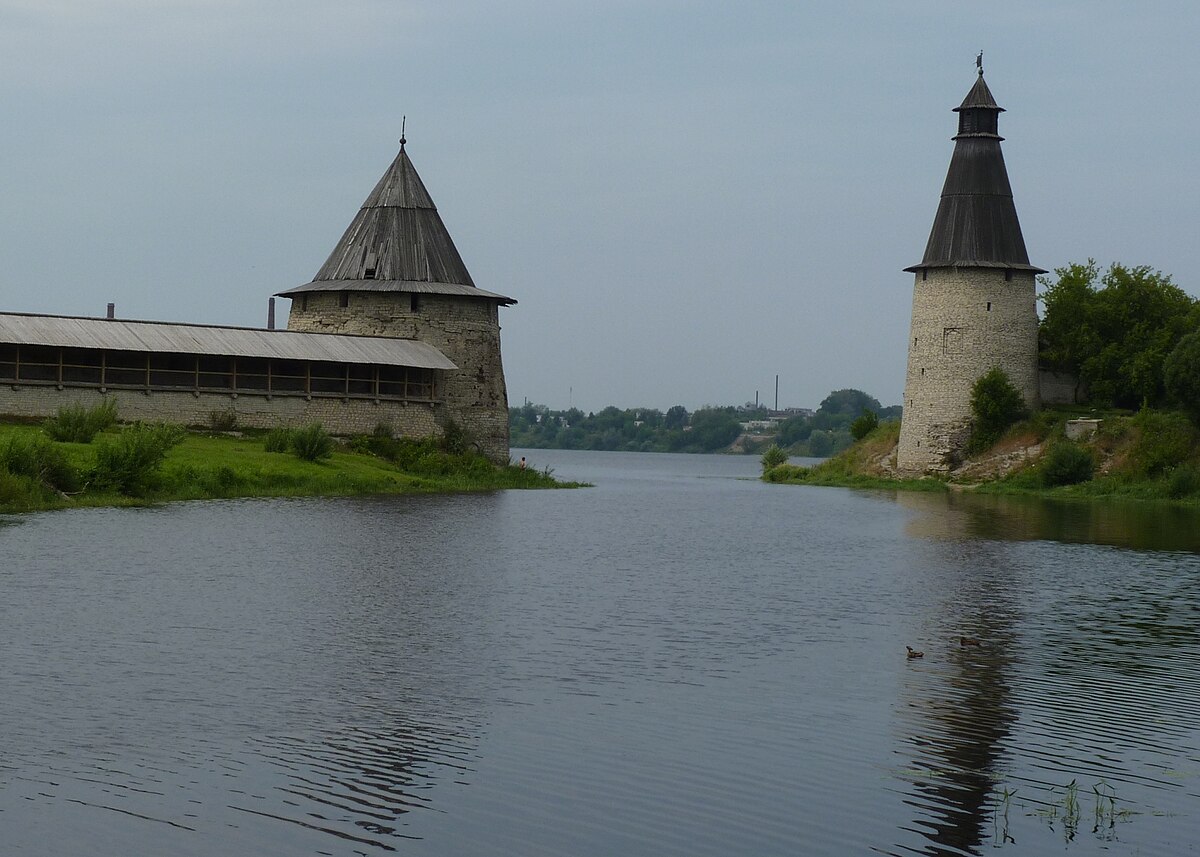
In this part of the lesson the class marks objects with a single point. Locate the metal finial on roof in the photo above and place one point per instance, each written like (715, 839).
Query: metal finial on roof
(979, 63)
(404, 119)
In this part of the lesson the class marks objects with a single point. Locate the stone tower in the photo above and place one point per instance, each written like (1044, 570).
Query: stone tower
(397, 273)
(974, 300)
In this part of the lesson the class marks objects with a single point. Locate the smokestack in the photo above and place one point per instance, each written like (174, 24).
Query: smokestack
(270, 313)
(112, 312)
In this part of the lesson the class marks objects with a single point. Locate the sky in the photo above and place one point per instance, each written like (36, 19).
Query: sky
(686, 199)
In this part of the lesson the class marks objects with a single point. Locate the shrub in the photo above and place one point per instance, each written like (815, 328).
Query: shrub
(773, 457)
(1184, 481)
(1067, 463)
(77, 424)
(41, 461)
(1181, 374)
(995, 404)
(312, 443)
(225, 420)
(278, 439)
(864, 425)
(17, 492)
(130, 464)
(455, 439)
(1164, 440)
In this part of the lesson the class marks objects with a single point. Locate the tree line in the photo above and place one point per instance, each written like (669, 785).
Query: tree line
(708, 429)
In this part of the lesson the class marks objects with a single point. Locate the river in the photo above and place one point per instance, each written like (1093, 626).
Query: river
(680, 660)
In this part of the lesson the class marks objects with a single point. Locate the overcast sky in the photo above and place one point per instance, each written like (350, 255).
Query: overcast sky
(686, 198)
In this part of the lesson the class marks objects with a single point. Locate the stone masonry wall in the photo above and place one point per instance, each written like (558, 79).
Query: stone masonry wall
(965, 321)
(465, 329)
(338, 416)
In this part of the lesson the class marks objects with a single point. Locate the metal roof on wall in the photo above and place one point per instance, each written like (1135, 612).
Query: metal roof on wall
(166, 337)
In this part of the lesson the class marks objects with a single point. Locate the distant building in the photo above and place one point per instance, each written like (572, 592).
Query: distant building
(974, 299)
(391, 330)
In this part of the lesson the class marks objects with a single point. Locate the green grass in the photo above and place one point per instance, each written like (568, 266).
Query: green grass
(1153, 456)
(204, 466)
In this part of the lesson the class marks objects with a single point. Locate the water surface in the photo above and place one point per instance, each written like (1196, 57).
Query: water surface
(681, 660)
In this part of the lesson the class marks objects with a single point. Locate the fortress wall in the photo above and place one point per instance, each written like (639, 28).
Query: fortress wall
(338, 416)
(964, 322)
(464, 329)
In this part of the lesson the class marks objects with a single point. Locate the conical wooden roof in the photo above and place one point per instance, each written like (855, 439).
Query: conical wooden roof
(397, 242)
(976, 222)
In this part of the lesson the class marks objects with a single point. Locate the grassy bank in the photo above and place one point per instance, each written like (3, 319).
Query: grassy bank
(117, 468)
(1150, 455)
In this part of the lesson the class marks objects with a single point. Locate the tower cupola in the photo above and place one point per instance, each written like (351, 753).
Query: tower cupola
(976, 222)
(974, 296)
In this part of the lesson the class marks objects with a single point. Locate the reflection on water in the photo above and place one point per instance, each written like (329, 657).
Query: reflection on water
(681, 660)
(1142, 526)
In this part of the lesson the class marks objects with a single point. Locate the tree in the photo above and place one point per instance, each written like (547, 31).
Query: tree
(848, 403)
(1115, 333)
(713, 428)
(820, 444)
(794, 430)
(864, 425)
(676, 417)
(1181, 374)
(995, 404)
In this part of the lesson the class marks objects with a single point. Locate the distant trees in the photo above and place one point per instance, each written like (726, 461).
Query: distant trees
(1115, 330)
(631, 429)
(708, 429)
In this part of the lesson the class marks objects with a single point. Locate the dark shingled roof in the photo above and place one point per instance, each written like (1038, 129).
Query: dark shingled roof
(397, 242)
(976, 223)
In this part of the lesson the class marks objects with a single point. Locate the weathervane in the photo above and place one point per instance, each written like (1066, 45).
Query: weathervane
(979, 63)
(404, 119)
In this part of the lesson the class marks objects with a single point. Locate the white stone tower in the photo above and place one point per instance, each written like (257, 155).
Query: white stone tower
(397, 273)
(974, 300)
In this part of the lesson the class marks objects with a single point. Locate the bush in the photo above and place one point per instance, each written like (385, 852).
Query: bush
(41, 461)
(225, 420)
(864, 425)
(278, 439)
(130, 464)
(1184, 481)
(312, 443)
(17, 492)
(77, 424)
(1164, 440)
(455, 439)
(773, 457)
(1067, 463)
(1181, 374)
(995, 404)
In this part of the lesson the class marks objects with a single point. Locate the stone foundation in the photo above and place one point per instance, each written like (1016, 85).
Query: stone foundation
(465, 329)
(338, 416)
(965, 321)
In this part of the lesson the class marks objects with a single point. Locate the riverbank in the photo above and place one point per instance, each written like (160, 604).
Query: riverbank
(37, 474)
(1150, 455)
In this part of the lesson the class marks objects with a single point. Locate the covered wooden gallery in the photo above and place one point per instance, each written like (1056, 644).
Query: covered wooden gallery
(184, 373)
